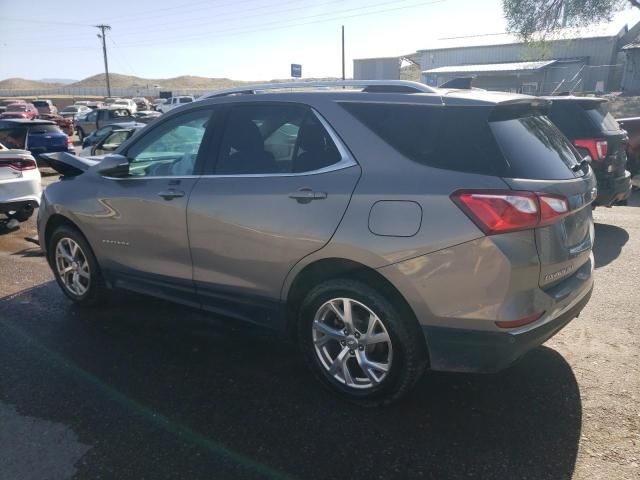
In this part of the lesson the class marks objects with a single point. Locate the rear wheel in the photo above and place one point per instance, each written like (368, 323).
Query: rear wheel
(75, 267)
(359, 344)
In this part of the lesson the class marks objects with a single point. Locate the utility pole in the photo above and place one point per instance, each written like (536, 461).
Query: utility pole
(103, 36)
(343, 77)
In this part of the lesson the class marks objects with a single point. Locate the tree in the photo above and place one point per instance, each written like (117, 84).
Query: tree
(528, 16)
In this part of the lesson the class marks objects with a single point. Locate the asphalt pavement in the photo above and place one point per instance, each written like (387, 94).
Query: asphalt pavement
(143, 389)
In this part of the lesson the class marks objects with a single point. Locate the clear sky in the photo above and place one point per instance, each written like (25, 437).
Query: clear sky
(239, 39)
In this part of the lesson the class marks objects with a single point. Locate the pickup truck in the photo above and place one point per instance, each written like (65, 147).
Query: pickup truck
(100, 118)
(632, 127)
(174, 102)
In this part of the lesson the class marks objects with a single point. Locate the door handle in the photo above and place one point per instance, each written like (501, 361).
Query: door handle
(171, 194)
(305, 195)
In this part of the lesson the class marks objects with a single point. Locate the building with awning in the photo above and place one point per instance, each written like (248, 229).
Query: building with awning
(586, 59)
(533, 78)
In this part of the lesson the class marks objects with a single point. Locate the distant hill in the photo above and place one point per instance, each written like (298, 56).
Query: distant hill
(63, 81)
(184, 82)
(23, 84)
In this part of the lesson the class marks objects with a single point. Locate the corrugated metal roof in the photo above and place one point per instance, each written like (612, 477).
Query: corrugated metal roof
(593, 31)
(492, 67)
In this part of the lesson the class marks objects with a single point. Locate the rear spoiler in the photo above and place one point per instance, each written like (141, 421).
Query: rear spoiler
(68, 164)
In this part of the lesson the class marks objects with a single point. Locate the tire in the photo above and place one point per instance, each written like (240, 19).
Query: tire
(80, 134)
(404, 354)
(95, 291)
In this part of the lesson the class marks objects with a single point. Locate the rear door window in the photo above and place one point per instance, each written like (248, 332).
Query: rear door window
(274, 138)
(471, 139)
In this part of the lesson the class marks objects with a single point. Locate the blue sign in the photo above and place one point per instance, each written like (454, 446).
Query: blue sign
(296, 70)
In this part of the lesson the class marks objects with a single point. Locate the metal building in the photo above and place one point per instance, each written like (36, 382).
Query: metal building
(382, 68)
(631, 78)
(573, 59)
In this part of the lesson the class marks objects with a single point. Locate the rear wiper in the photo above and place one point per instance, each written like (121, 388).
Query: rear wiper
(580, 166)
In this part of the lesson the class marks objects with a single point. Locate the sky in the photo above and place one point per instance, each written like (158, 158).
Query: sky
(239, 39)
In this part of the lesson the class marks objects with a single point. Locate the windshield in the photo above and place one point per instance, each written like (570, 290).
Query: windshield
(186, 100)
(16, 108)
(39, 103)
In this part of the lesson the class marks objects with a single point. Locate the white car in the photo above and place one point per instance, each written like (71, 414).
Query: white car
(20, 186)
(174, 102)
(125, 103)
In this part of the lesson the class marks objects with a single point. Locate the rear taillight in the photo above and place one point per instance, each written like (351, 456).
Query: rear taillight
(598, 149)
(497, 211)
(69, 141)
(20, 164)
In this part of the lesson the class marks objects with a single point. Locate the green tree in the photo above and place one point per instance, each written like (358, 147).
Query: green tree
(528, 16)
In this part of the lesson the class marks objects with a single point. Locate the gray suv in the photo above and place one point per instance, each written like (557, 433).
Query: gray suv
(387, 228)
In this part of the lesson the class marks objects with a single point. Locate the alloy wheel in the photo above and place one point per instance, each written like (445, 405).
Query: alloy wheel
(351, 343)
(72, 266)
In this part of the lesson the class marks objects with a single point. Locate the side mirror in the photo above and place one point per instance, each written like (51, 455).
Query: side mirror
(114, 166)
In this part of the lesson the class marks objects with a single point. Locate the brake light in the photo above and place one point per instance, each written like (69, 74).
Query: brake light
(598, 149)
(69, 141)
(19, 164)
(497, 211)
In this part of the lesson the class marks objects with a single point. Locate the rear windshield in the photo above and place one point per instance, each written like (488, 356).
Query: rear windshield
(39, 103)
(600, 115)
(185, 100)
(472, 139)
(582, 119)
(45, 129)
(16, 108)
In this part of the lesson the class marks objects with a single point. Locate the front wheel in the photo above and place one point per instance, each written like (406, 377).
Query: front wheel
(360, 344)
(75, 267)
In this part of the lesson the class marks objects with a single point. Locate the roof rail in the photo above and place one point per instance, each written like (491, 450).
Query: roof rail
(402, 86)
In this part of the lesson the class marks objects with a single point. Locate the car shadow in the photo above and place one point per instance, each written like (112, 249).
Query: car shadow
(608, 243)
(213, 382)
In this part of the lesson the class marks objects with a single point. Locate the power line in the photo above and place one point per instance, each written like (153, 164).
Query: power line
(134, 17)
(123, 56)
(45, 21)
(244, 30)
(242, 13)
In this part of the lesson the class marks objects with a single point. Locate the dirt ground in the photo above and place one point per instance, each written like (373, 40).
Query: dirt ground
(570, 409)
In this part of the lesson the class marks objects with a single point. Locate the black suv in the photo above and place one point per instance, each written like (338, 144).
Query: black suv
(598, 137)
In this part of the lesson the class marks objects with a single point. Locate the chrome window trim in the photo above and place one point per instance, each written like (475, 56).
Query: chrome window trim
(346, 161)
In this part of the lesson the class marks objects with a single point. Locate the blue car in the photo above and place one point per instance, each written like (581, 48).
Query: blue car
(36, 136)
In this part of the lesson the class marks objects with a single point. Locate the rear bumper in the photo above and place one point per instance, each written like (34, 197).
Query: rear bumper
(487, 352)
(28, 205)
(612, 190)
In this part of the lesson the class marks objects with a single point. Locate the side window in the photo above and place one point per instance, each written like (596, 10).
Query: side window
(102, 132)
(92, 117)
(271, 139)
(171, 148)
(13, 137)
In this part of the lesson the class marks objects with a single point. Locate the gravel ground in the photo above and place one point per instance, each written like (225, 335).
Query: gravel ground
(145, 389)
